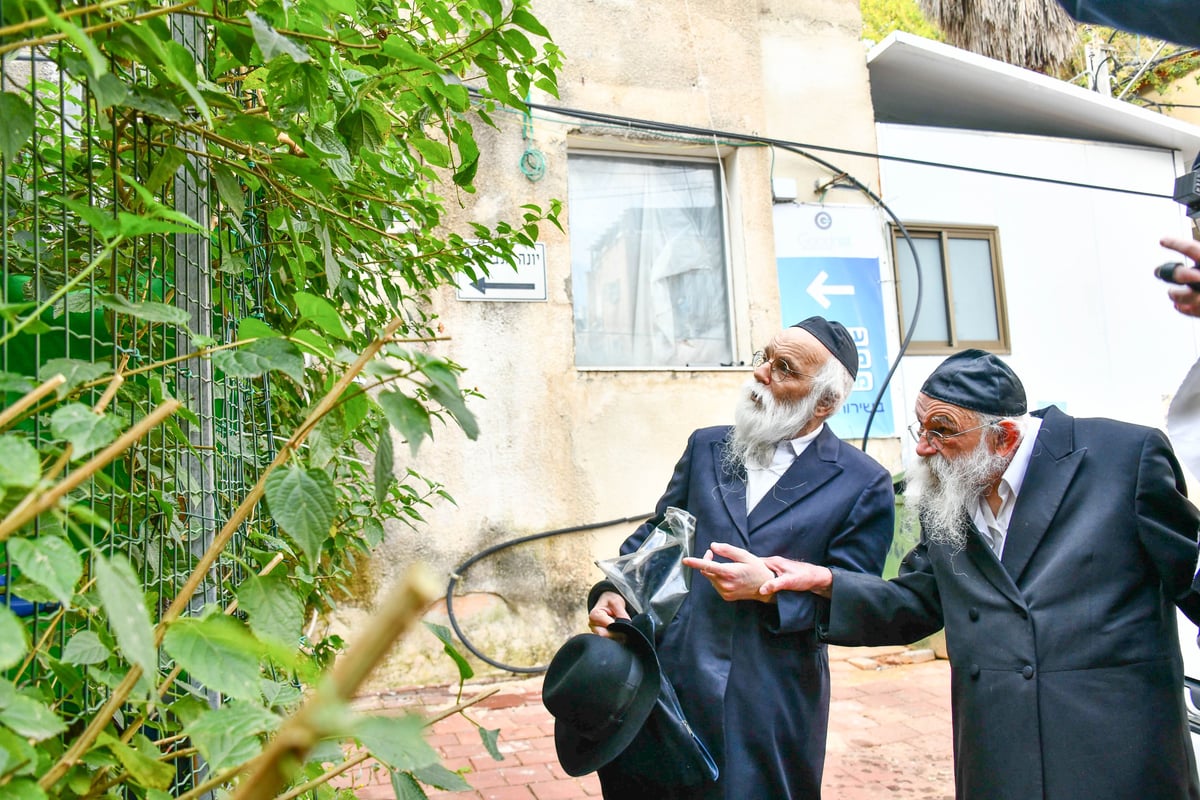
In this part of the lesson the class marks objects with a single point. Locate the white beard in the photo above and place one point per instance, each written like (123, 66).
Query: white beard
(760, 426)
(946, 491)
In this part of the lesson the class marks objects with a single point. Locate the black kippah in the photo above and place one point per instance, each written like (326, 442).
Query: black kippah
(977, 381)
(836, 339)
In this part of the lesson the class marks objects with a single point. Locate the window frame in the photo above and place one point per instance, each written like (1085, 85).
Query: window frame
(672, 152)
(943, 233)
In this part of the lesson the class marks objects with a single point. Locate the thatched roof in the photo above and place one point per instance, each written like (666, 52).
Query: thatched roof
(1036, 34)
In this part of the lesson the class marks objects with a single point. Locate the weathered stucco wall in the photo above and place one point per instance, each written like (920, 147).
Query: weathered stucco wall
(560, 446)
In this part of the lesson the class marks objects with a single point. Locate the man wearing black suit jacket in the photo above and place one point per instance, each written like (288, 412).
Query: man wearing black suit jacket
(750, 673)
(1054, 551)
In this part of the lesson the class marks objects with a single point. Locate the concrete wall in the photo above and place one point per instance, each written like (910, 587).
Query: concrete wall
(1092, 330)
(561, 446)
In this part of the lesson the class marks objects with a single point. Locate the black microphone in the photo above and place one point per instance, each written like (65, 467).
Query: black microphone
(1166, 272)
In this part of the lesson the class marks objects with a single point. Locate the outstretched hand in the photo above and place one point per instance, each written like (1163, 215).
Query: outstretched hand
(737, 579)
(797, 576)
(1186, 301)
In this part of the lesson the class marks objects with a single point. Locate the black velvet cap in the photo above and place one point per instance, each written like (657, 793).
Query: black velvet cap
(977, 381)
(836, 339)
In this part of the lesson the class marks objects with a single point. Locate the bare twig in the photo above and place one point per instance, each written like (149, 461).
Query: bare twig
(295, 738)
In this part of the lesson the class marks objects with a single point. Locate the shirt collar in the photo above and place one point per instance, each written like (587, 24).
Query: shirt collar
(1014, 474)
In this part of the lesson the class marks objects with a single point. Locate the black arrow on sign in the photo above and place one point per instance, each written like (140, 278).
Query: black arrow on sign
(482, 285)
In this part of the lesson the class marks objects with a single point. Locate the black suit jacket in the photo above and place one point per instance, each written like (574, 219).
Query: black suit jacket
(1066, 671)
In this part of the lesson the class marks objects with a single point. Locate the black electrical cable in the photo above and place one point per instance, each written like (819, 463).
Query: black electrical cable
(633, 123)
(461, 569)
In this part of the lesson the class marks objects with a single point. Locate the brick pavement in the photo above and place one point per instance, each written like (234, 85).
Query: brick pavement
(889, 737)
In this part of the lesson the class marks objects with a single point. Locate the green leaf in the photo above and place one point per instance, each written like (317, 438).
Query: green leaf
(75, 371)
(405, 787)
(530, 23)
(276, 612)
(435, 152)
(17, 755)
(121, 594)
(491, 739)
(385, 466)
(149, 310)
(19, 463)
(14, 640)
(311, 342)
(84, 429)
(230, 190)
(303, 502)
(465, 671)
(142, 767)
(85, 647)
(395, 47)
(396, 741)
(218, 653)
(327, 141)
(439, 777)
(321, 312)
(407, 416)
(24, 789)
(253, 328)
(272, 43)
(49, 562)
(456, 405)
(18, 124)
(229, 736)
(27, 716)
(260, 356)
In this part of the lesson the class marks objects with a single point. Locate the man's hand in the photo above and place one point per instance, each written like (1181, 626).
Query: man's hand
(797, 576)
(1186, 301)
(609, 606)
(739, 579)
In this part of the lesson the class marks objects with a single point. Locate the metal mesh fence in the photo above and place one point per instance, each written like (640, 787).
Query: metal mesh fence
(160, 504)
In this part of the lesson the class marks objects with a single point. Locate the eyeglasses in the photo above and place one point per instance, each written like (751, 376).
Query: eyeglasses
(780, 371)
(937, 439)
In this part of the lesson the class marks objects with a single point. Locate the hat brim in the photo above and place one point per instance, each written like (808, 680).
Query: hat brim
(578, 755)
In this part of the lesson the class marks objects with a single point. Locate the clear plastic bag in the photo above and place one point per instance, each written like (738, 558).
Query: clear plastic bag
(653, 579)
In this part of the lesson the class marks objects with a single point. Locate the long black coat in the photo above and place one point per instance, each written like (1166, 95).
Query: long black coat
(752, 678)
(1067, 680)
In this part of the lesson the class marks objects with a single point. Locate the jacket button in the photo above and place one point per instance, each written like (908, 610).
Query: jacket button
(1024, 614)
(973, 613)
(1027, 671)
(974, 671)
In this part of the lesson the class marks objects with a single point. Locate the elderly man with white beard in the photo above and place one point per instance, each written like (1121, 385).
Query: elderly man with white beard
(751, 675)
(1054, 552)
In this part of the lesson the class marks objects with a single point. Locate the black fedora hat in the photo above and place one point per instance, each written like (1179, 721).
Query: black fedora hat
(600, 692)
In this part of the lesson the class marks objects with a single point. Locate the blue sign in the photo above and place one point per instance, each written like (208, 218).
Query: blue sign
(846, 290)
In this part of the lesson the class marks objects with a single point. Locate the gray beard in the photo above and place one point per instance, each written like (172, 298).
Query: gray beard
(758, 429)
(943, 492)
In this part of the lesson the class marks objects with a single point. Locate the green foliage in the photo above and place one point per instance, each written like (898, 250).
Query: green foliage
(296, 159)
(881, 17)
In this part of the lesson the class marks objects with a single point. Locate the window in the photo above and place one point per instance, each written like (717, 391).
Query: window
(648, 268)
(963, 304)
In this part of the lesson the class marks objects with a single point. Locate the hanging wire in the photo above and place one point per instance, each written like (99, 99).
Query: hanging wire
(533, 163)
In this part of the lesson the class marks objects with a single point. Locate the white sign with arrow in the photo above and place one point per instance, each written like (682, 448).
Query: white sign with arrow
(525, 281)
(818, 291)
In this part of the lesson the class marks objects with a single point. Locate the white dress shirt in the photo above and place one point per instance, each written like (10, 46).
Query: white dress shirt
(760, 480)
(994, 527)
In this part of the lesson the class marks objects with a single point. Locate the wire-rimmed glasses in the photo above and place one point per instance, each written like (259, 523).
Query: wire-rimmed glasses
(780, 371)
(937, 439)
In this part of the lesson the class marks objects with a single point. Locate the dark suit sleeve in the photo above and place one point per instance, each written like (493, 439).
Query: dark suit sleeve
(869, 611)
(1167, 523)
(861, 545)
